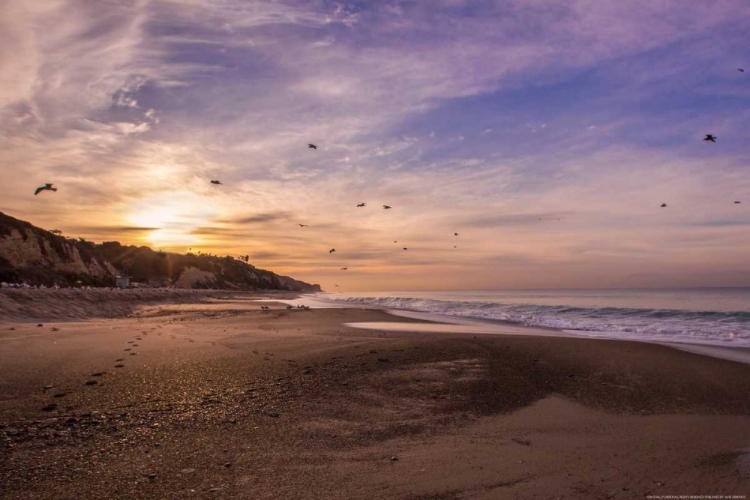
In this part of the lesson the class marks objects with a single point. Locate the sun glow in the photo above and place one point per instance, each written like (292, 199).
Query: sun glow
(174, 218)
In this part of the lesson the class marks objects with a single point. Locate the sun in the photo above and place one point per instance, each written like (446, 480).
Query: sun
(172, 218)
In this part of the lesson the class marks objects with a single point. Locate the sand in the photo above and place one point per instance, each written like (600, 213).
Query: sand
(220, 400)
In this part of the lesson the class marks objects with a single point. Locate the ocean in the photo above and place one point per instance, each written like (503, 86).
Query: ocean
(708, 316)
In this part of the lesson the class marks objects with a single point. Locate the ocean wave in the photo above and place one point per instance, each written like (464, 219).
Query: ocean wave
(725, 327)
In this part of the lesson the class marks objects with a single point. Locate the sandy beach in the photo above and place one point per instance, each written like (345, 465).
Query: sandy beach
(213, 398)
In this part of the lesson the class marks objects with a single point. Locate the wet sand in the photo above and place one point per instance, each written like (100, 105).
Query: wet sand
(221, 400)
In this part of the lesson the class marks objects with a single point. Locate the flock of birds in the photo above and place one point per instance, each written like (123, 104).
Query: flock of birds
(50, 187)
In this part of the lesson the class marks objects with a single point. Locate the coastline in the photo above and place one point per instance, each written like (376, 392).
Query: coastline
(221, 400)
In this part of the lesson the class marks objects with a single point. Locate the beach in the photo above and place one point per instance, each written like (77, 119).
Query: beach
(213, 398)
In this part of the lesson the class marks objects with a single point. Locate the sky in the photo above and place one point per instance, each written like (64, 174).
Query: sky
(547, 134)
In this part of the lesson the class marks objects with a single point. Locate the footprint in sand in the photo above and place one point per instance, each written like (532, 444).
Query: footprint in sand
(98, 374)
(133, 353)
(91, 382)
(50, 407)
(130, 341)
(59, 395)
(135, 345)
(126, 350)
(119, 366)
(138, 338)
(119, 359)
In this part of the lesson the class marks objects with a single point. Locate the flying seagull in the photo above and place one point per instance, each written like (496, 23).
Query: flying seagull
(737, 202)
(312, 146)
(395, 241)
(710, 138)
(406, 248)
(344, 268)
(331, 250)
(303, 225)
(455, 234)
(663, 205)
(218, 183)
(47, 187)
(361, 205)
(387, 207)
(741, 70)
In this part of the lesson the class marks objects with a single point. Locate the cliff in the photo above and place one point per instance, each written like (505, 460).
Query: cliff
(38, 257)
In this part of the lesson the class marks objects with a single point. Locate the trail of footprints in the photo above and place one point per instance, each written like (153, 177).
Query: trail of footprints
(92, 381)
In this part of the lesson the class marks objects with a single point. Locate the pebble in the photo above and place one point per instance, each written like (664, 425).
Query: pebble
(273, 414)
(187, 471)
(39, 325)
(48, 387)
(394, 459)
(214, 490)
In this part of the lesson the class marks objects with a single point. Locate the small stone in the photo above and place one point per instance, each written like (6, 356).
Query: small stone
(39, 325)
(227, 464)
(151, 475)
(273, 414)
(187, 471)
(214, 490)
(48, 387)
(394, 459)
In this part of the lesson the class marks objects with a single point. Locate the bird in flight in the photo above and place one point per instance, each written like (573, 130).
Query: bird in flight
(406, 248)
(47, 187)
(344, 268)
(218, 183)
(710, 138)
(454, 246)
(737, 202)
(395, 241)
(387, 207)
(360, 205)
(663, 205)
(331, 250)
(455, 234)
(312, 146)
(741, 70)
(303, 225)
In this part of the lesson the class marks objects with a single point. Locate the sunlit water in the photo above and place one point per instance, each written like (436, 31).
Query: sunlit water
(718, 316)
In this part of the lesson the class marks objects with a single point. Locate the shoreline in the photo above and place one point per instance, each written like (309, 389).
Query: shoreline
(291, 404)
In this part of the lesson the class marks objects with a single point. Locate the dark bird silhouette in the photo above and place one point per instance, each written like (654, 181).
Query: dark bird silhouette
(361, 205)
(331, 250)
(312, 146)
(710, 138)
(663, 205)
(454, 246)
(737, 202)
(344, 268)
(406, 248)
(740, 70)
(387, 207)
(303, 225)
(47, 187)
(336, 286)
(218, 183)
(455, 234)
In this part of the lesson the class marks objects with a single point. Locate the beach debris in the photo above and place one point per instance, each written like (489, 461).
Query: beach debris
(709, 138)
(361, 205)
(312, 146)
(216, 182)
(47, 187)
(387, 207)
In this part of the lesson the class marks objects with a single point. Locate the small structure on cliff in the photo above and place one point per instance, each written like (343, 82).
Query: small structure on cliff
(122, 281)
